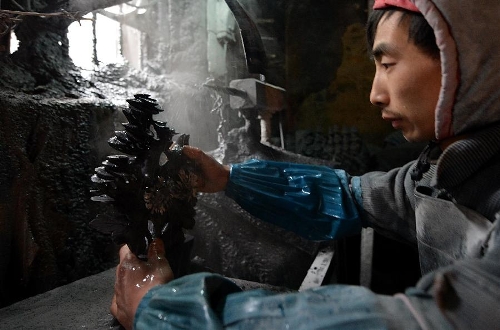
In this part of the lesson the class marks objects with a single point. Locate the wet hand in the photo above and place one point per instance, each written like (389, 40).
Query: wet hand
(215, 175)
(134, 278)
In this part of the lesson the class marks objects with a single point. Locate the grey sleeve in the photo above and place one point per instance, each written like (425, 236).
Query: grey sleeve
(389, 203)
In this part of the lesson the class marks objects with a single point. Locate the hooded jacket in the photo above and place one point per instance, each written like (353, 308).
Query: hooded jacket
(461, 288)
(449, 211)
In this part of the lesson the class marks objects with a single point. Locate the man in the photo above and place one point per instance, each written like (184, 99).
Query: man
(444, 89)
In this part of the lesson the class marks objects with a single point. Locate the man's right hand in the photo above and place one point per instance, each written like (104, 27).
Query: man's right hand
(215, 175)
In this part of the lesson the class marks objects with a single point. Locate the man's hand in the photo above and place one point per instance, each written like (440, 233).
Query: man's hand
(215, 175)
(135, 277)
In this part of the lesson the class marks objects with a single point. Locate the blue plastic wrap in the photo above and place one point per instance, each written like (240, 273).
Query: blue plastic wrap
(209, 301)
(310, 200)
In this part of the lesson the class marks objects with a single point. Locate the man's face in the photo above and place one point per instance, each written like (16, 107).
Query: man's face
(407, 81)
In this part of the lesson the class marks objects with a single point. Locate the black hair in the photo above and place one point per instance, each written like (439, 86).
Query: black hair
(420, 32)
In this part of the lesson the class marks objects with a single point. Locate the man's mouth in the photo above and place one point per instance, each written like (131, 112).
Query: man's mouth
(395, 121)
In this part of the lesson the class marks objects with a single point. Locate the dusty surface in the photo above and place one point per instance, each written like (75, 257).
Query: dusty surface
(83, 304)
(49, 148)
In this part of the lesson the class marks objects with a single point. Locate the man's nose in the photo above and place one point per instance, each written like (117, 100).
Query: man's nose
(378, 94)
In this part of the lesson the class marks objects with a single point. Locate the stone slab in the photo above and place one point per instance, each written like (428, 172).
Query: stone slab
(83, 304)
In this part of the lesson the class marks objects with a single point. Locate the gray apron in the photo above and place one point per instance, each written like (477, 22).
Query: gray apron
(447, 231)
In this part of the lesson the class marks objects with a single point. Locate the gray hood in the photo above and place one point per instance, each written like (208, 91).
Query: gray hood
(468, 36)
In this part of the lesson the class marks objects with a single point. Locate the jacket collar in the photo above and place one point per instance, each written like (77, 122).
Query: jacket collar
(465, 157)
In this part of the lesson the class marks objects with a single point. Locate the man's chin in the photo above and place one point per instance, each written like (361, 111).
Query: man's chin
(414, 138)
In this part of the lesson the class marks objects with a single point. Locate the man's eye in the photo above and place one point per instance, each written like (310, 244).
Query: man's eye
(386, 65)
